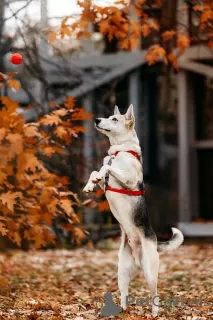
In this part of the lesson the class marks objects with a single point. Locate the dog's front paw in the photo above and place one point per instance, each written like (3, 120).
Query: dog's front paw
(97, 178)
(100, 175)
(89, 187)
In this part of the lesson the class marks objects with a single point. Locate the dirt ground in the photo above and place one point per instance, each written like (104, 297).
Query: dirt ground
(62, 284)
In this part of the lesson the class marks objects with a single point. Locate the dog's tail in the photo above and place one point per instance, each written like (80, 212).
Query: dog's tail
(173, 243)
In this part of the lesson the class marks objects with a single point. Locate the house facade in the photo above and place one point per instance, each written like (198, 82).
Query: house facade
(195, 131)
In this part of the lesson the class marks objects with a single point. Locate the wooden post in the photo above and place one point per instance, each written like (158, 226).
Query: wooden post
(89, 213)
(88, 45)
(43, 52)
(193, 160)
(134, 80)
(184, 157)
(88, 137)
(145, 127)
(152, 118)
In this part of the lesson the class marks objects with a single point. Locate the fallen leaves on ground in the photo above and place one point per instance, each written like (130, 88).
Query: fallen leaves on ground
(69, 285)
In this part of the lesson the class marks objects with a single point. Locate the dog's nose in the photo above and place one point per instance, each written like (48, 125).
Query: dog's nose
(97, 121)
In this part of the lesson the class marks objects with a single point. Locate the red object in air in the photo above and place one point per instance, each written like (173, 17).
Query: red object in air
(16, 58)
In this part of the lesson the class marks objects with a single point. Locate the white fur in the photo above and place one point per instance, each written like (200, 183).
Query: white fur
(126, 172)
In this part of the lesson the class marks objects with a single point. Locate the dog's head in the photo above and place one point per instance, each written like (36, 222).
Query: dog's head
(118, 124)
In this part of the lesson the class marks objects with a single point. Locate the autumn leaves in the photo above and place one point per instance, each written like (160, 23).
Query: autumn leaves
(128, 21)
(30, 196)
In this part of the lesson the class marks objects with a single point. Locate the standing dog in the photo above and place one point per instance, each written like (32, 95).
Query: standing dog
(121, 176)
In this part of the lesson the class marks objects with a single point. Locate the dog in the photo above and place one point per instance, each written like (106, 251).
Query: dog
(121, 176)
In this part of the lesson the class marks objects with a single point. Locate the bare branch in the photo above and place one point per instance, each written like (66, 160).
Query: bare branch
(19, 10)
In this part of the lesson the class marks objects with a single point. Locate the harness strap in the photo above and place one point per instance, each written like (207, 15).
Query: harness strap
(107, 176)
(135, 154)
(128, 192)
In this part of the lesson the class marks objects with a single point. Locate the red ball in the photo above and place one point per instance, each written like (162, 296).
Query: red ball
(16, 58)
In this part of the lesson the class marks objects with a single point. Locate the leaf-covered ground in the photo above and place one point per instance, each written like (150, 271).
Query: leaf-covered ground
(67, 285)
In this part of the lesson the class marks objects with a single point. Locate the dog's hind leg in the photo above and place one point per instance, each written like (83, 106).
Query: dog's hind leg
(150, 265)
(136, 248)
(126, 269)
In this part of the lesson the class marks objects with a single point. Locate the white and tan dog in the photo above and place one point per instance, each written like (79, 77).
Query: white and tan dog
(121, 176)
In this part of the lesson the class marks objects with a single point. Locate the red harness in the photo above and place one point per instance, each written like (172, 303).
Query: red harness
(124, 191)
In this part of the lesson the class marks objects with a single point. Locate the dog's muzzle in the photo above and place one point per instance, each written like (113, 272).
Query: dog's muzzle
(97, 121)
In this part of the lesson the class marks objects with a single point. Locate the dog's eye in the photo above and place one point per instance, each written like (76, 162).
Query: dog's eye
(114, 119)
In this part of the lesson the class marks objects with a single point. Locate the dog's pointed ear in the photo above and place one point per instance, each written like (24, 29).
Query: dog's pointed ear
(130, 115)
(116, 111)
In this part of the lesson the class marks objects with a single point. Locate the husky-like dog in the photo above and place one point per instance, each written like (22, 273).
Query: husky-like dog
(121, 176)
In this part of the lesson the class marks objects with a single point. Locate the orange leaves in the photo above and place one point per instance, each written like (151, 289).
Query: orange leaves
(50, 120)
(173, 60)
(8, 80)
(48, 151)
(168, 35)
(61, 132)
(88, 10)
(14, 84)
(210, 44)
(79, 235)
(90, 203)
(32, 163)
(69, 102)
(183, 42)
(65, 30)
(158, 3)
(204, 13)
(115, 25)
(66, 205)
(124, 44)
(16, 142)
(9, 199)
(52, 36)
(103, 206)
(155, 54)
(117, 22)
(141, 2)
(3, 177)
(3, 229)
(31, 197)
(15, 237)
(158, 53)
(31, 131)
(99, 193)
(135, 29)
(2, 133)
(145, 30)
(104, 26)
(154, 25)
(80, 114)
(148, 26)
(10, 105)
(198, 7)
(207, 15)
(61, 112)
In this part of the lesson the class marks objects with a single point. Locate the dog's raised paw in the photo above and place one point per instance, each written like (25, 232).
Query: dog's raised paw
(88, 188)
(97, 178)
